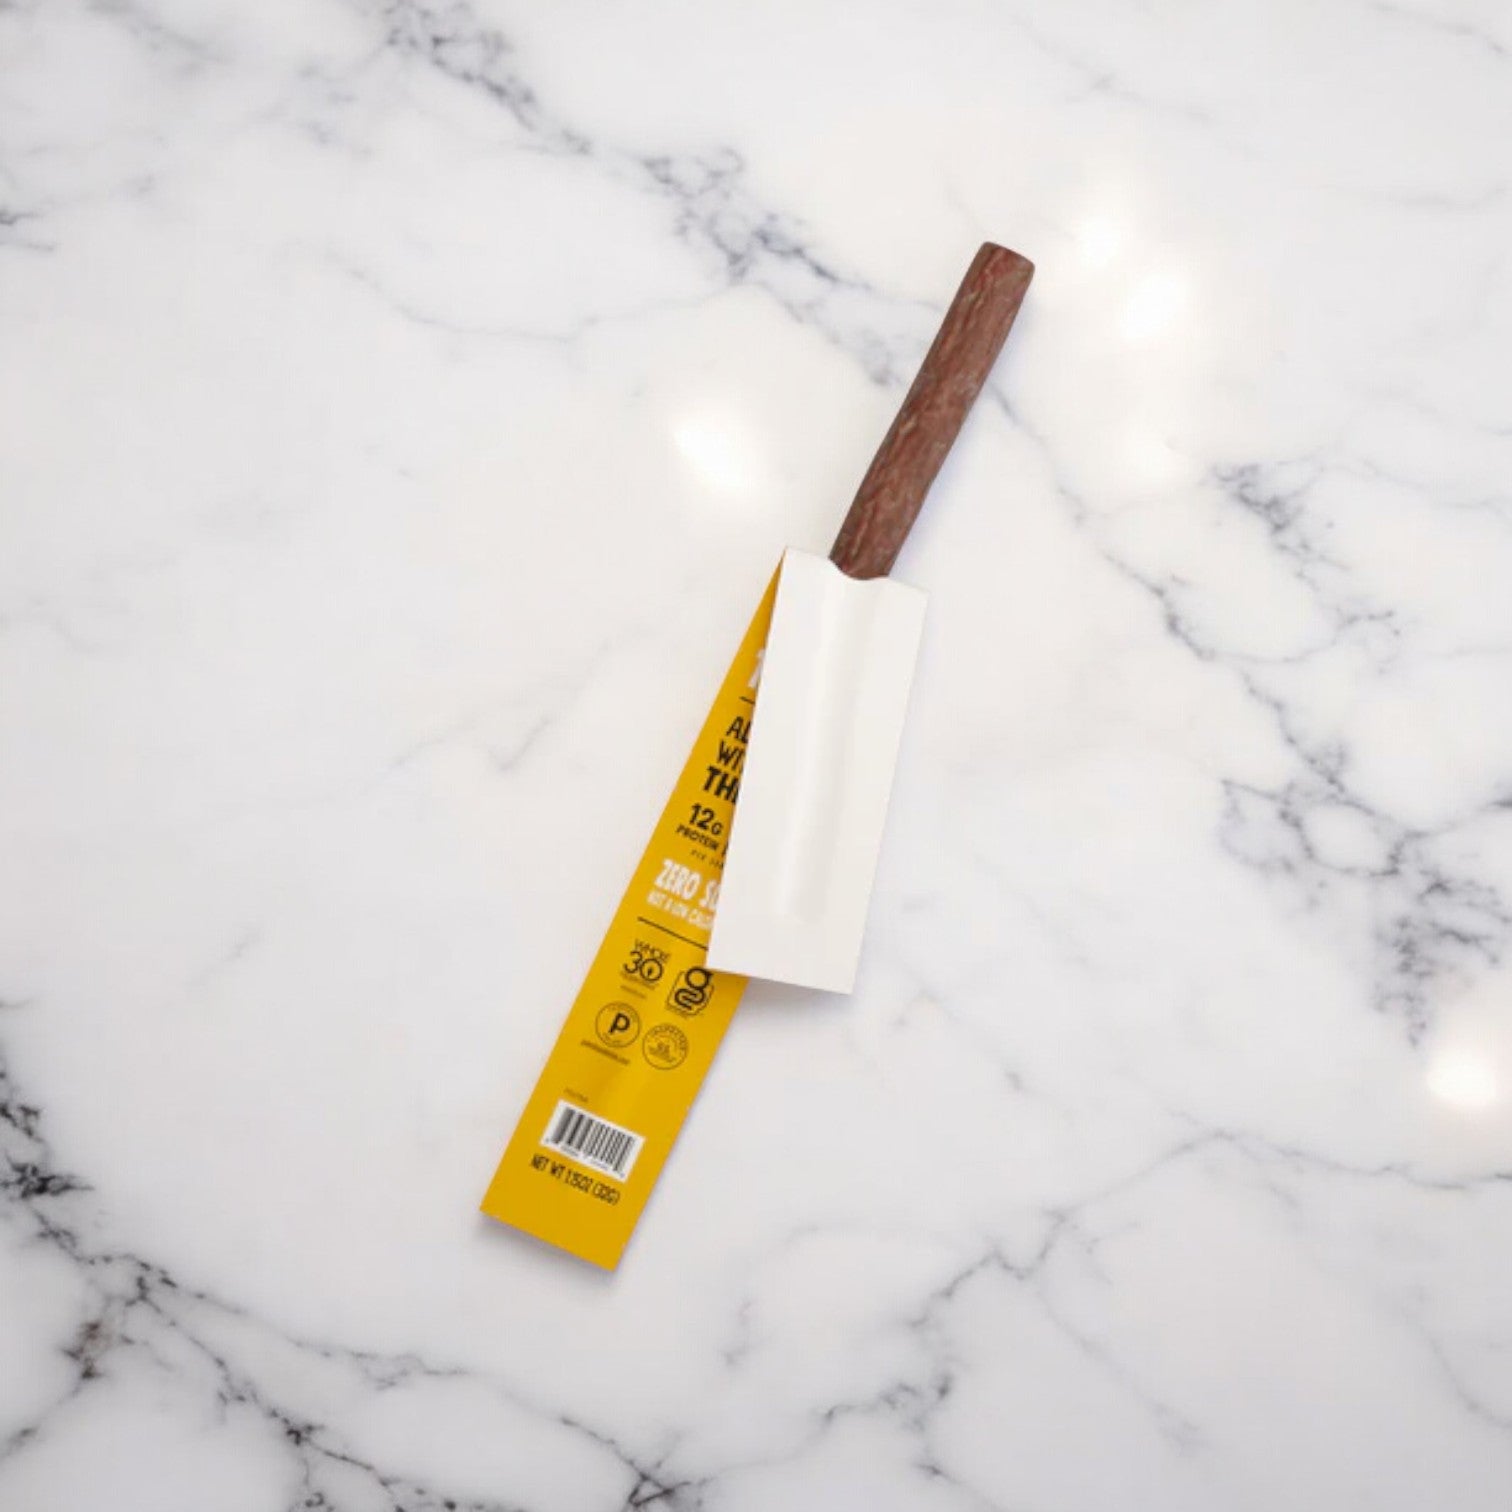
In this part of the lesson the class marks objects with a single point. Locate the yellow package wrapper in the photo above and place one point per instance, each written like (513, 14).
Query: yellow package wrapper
(642, 1033)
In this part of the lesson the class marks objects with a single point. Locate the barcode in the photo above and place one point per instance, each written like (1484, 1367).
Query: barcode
(594, 1141)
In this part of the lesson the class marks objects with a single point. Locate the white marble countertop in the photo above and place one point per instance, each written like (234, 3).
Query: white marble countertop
(403, 405)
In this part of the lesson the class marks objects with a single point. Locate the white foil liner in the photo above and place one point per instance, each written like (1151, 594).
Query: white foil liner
(829, 713)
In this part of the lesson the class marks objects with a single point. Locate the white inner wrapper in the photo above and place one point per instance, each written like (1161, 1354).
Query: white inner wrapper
(818, 771)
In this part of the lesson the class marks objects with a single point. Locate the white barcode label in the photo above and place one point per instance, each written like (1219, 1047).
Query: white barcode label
(593, 1141)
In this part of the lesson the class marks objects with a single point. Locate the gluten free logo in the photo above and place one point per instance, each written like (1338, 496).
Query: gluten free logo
(617, 1025)
(694, 988)
(665, 1047)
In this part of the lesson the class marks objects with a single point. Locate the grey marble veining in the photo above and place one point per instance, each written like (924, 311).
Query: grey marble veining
(404, 405)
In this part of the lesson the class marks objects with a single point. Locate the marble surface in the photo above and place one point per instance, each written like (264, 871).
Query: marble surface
(403, 405)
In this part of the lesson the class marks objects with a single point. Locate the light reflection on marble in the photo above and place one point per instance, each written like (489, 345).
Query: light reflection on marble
(404, 405)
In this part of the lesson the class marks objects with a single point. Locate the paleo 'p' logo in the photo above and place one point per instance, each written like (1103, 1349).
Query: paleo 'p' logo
(617, 1025)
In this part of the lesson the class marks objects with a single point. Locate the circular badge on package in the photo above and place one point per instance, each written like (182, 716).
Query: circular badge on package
(665, 1047)
(617, 1025)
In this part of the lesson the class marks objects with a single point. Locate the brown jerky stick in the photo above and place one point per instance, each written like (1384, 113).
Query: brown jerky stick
(955, 368)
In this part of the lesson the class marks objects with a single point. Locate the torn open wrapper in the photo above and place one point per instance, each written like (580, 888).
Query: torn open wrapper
(810, 762)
